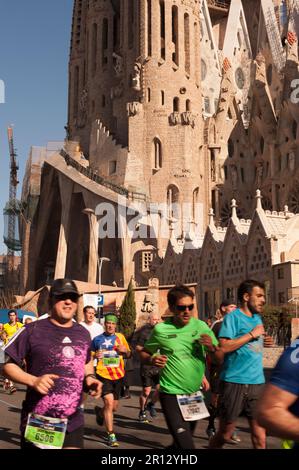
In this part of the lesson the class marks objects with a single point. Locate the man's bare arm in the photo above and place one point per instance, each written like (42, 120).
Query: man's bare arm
(42, 384)
(230, 345)
(274, 415)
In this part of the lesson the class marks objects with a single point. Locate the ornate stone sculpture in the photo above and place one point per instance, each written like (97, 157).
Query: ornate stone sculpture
(133, 108)
(234, 176)
(259, 174)
(82, 115)
(136, 79)
(118, 64)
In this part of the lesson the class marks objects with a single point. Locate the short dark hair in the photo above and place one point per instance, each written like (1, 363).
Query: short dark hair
(246, 287)
(12, 311)
(226, 303)
(87, 307)
(177, 293)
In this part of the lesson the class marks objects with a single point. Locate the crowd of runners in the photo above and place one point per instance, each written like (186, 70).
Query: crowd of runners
(62, 361)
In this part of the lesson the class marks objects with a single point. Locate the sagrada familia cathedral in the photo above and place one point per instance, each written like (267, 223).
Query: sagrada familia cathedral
(182, 145)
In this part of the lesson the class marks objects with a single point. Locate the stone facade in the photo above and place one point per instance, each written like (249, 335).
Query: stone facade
(263, 248)
(185, 103)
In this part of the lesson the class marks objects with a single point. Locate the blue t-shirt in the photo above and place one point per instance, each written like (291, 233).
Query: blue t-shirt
(286, 374)
(245, 365)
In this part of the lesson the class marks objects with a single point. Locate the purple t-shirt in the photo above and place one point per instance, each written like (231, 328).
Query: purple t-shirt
(51, 349)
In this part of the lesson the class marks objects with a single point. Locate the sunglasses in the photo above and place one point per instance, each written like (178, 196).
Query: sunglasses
(183, 308)
(72, 297)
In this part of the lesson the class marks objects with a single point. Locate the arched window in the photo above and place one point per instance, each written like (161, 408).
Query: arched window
(176, 105)
(149, 27)
(188, 105)
(157, 154)
(187, 42)
(162, 28)
(173, 201)
(195, 206)
(131, 20)
(76, 91)
(94, 48)
(175, 34)
(105, 31)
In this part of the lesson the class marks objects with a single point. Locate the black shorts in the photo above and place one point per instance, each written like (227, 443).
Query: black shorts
(150, 377)
(72, 439)
(238, 398)
(111, 387)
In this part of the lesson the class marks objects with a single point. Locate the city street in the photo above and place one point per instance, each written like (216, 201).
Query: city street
(131, 433)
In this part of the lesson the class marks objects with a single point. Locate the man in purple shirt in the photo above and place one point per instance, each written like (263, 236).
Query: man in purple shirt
(58, 363)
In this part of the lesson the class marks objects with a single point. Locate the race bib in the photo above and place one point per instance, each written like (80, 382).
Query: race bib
(193, 406)
(45, 432)
(111, 359)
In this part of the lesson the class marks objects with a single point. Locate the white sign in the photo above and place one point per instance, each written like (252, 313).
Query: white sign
(90, 300)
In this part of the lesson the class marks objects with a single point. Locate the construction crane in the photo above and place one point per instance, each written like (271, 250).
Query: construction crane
(12, 209)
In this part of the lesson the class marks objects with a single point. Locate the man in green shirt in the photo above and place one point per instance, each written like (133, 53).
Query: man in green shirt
(179, 347)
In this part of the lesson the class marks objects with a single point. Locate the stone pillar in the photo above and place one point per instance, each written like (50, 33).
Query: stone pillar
(66, 187)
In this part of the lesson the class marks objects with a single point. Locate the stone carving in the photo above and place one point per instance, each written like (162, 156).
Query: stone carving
(153, 282)
(234, 176)
(133, 108)
(148, 305)
(259, 174)
(175, 118)
(188, 119)
(136, 79)
(82, 115)
(118, 64)
(117, 91)
(292, 161)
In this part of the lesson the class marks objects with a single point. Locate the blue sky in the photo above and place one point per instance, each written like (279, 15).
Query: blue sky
(34, 51)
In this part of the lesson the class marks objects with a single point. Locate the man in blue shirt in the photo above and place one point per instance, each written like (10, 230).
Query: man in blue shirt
(242, 376)
(278, 408)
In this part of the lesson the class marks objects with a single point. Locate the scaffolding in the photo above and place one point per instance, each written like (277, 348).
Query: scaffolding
(274, 39)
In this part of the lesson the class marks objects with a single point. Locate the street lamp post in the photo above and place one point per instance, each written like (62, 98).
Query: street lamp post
(100, 260)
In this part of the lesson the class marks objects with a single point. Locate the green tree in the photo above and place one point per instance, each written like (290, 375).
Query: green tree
(128, 313)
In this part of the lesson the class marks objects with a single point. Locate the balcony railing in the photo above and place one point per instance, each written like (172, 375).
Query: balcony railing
(87, 171)
(223, 4)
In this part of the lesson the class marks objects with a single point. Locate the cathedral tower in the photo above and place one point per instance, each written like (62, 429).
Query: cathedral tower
(135, 100)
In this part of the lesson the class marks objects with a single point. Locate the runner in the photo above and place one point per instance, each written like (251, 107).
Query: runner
(241, 338)
(58, 357)
(150, 375)
(179, 347)
(226, 307)
(110, 348)
(278, 409)
(10, 329)
(90, 323)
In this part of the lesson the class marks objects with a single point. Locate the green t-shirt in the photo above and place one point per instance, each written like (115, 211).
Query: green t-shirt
(185, 366)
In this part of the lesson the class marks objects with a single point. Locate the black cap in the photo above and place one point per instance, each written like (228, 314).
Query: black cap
(63, 286)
